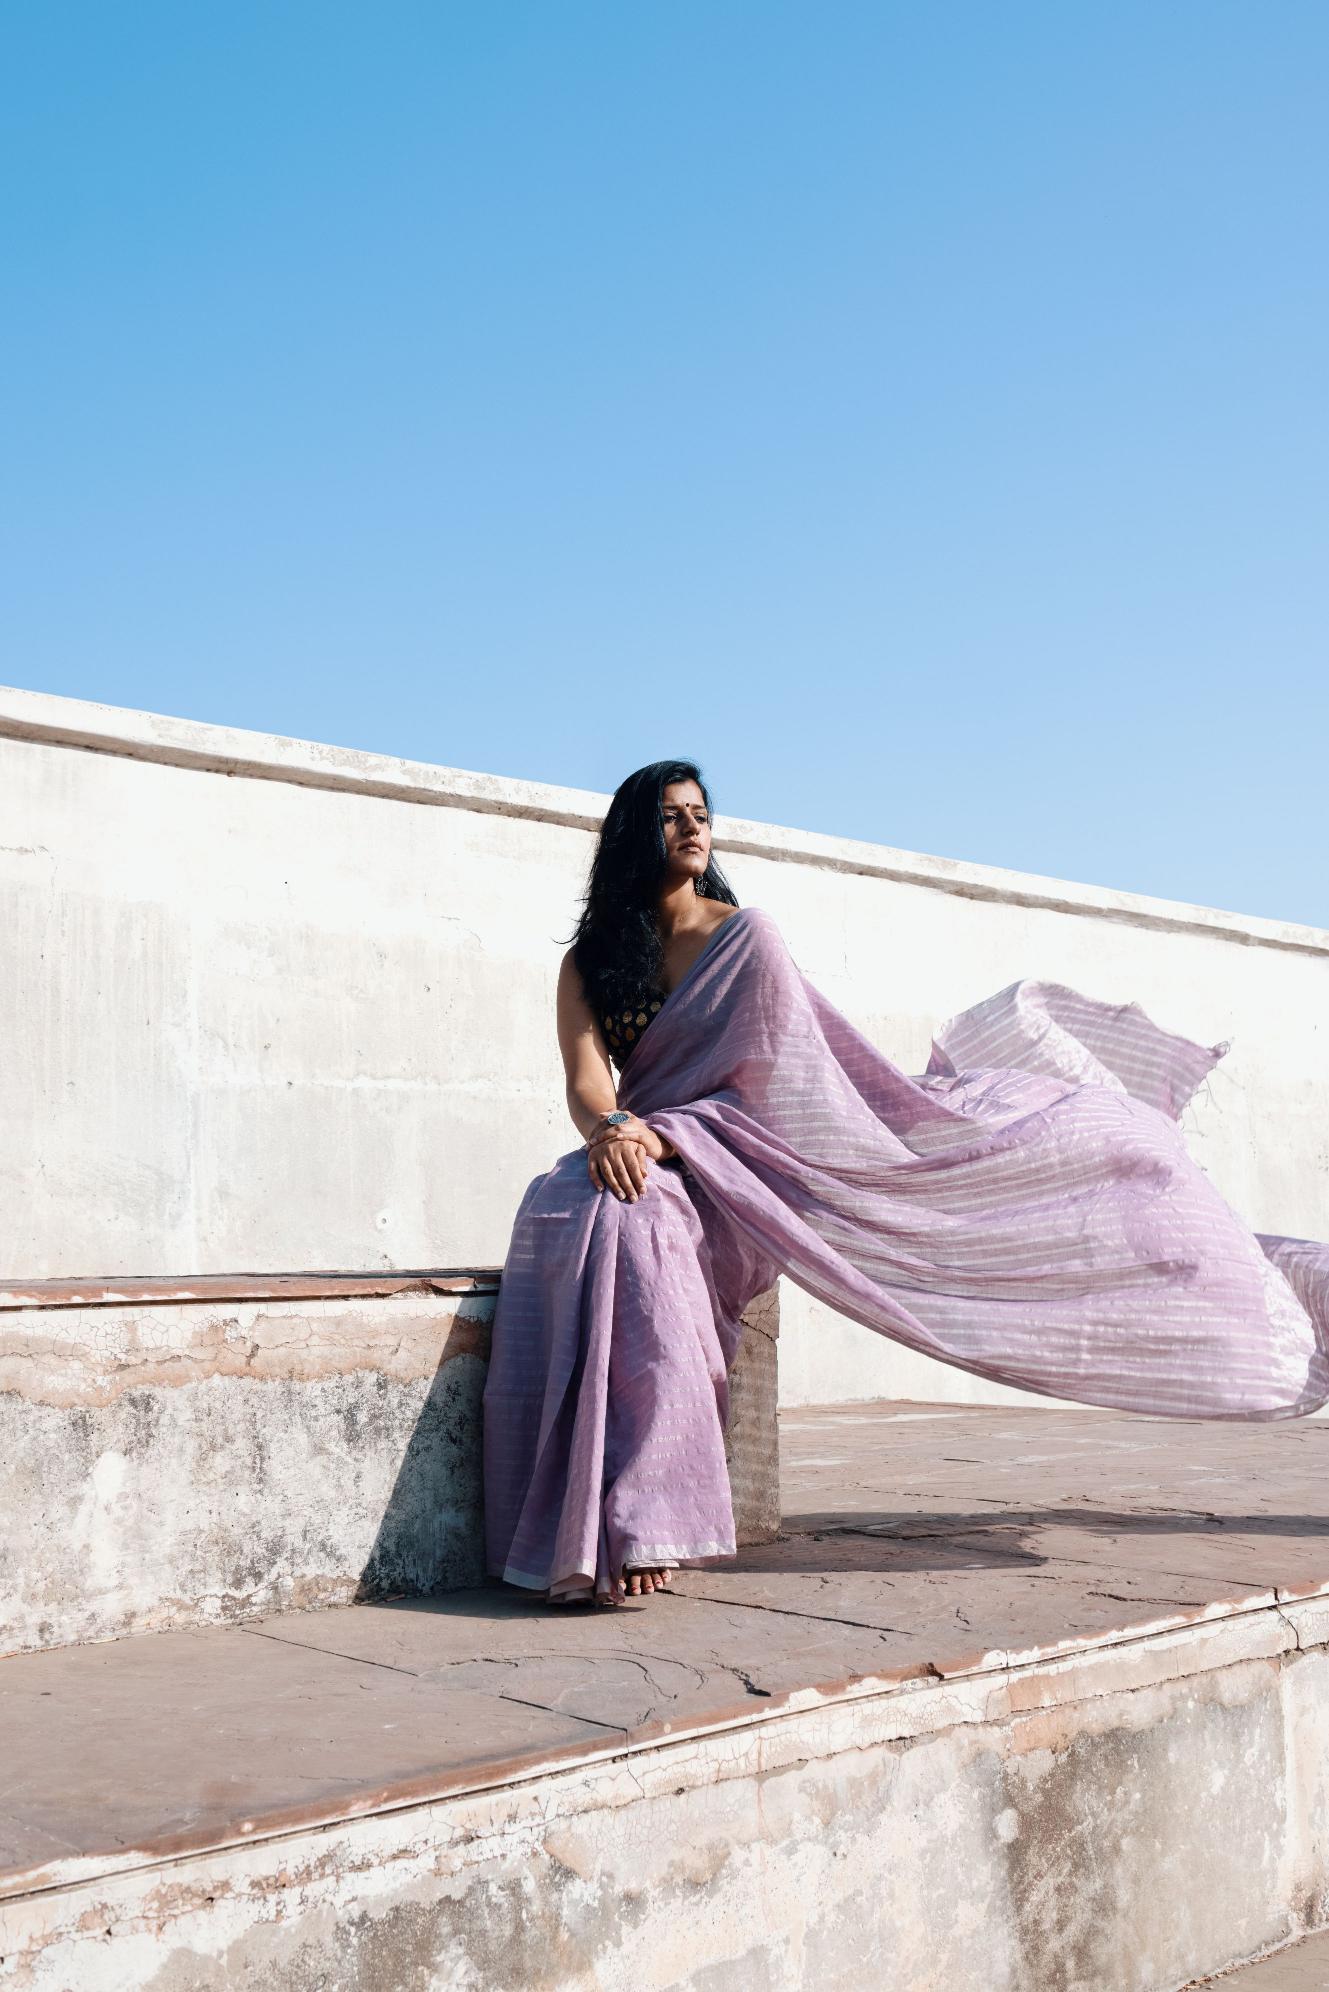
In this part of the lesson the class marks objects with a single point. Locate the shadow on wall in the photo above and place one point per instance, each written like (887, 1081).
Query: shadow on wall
(431, 1536)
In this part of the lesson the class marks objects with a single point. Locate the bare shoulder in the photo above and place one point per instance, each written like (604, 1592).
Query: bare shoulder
(570, 986)
(754, 916)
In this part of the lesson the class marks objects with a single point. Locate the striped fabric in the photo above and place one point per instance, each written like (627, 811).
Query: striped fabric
(1025, 1210)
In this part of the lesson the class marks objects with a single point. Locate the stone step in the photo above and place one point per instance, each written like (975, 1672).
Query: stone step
(200, 1452)
(1019, 1701)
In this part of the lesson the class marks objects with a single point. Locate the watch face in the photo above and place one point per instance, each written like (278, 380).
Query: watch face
(614, 1119)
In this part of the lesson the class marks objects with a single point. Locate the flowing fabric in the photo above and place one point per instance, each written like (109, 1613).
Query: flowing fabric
(1024, 1210)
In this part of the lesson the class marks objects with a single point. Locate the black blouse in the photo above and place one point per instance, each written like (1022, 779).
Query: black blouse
(624, 1027)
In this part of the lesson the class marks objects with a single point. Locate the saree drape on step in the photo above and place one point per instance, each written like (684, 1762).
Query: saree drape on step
(1025, 1210)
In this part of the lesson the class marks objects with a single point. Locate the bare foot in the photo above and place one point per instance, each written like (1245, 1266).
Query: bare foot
(641, 1583)
(632, 1583)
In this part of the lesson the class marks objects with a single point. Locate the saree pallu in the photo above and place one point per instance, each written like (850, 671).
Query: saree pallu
(1024, 1210)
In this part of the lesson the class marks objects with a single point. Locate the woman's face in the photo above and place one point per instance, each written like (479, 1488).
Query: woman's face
(687, 830)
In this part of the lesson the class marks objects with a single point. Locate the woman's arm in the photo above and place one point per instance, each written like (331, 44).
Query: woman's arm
(619, 1160)
(590, 1082)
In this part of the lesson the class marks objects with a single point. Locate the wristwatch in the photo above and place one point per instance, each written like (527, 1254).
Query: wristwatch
(615, 1119)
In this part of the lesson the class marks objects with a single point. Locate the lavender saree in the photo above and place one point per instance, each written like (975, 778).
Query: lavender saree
(1025, 1210)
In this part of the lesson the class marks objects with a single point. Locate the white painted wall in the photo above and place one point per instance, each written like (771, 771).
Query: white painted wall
(270, 1005)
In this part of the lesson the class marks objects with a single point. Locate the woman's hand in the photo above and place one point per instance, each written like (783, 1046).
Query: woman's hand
(619, 1157)
(619, 1165)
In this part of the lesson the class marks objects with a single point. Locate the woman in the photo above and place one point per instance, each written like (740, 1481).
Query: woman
(1024, 1210)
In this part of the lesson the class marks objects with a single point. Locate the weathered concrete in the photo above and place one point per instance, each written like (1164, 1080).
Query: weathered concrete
(181, 1455)
(305, 1063)
(1298, 1967)
(752, 1436)
(1024, 1702)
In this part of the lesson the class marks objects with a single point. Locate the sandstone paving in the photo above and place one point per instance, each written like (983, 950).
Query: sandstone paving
(1229, 1504)
(665, 1662)
(1029, 1528)
(195, 1737)
(918, 1541)
(944, 1458)
(966, 1603)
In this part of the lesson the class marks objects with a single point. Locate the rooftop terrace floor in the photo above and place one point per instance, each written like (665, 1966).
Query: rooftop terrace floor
(920, 1541)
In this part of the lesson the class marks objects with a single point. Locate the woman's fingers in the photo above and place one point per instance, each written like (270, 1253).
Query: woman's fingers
(603, 1167)
(620, 1166)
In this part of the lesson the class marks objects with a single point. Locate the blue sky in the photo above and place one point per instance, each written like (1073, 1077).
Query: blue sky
(918, 414)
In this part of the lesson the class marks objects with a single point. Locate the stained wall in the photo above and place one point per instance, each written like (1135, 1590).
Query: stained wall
(273, 1005)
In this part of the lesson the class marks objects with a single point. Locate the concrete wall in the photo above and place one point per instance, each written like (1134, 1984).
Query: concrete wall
(267, 1004)
(207, 1456)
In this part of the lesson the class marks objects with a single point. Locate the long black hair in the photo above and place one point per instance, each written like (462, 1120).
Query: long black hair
(616, 947)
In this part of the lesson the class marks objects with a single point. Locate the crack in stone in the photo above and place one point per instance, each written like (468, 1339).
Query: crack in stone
(522, 1701)
(484, 1659)
(748, 1682)
(637, 1660)
(308, 1646)
(791, 1611)
(1123, 1598)
(1292, 1627)
(1010, 1554)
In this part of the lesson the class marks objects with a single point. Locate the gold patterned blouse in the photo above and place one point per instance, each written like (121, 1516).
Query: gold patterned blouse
(624, 1027)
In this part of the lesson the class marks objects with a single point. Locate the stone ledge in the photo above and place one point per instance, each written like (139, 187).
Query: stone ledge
(199, 1452)
(740, 1736)
(933, 1740)
(163, 1291)
(47, 719)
